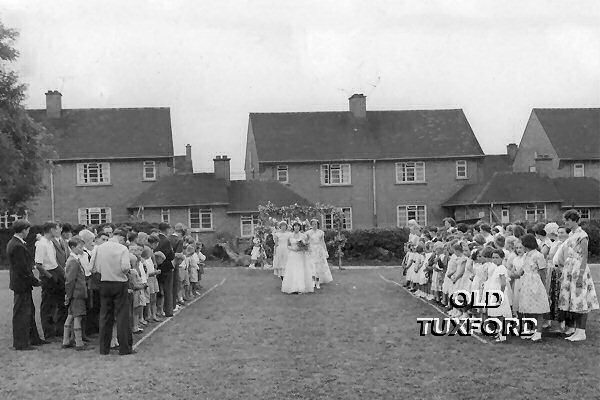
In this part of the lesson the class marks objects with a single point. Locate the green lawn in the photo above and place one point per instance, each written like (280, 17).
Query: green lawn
(356, 339)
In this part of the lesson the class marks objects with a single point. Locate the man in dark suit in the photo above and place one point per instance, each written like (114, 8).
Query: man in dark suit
(22, 281)
(165, 279)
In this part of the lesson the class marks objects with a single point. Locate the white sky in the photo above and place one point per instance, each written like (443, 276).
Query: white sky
(213, 62)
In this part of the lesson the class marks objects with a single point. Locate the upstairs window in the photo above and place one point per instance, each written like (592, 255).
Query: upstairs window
(93, 173)
(461, 169)
(282, 173)
(335, 174)
(578, 170)
(409, 172)
(149, 168)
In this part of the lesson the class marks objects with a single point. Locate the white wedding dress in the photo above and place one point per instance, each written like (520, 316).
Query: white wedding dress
(298, 271)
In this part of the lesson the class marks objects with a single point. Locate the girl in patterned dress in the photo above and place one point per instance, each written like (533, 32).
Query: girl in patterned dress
(533, 299)
(437, 275)
(458, 281)
(499, 281)
(417, 265)
(450, 270)
(281, 251)
(577, 292)
(515, 267)
(409, 266)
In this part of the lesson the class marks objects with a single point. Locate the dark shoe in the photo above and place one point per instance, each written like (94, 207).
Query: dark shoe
(138, 331)
(168, 315)
(41, 342)
(84, 347)
(130, 353)
(86, 339)
(67, 346)
(25, 348)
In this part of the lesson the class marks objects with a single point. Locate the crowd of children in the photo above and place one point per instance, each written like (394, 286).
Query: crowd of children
(542, 272)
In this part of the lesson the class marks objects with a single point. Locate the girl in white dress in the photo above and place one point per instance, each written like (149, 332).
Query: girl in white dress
(298, 269)
(417, 264)
(458, 283)
(499, 281)
(317, 251)
(281, 250)
(409, 266)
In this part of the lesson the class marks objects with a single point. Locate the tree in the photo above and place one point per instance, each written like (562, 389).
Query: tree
(24, 144)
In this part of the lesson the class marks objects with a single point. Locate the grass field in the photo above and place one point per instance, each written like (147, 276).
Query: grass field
(355, 339)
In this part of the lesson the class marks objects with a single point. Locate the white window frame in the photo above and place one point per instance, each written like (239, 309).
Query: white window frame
(165, 212)
(405, 209)
(586, 211)
(146, 165)
(417, 168)
(532, 168)
(462, 165)
(329, 172)
(279, 169)
(535, 210)
(85, 215)
(102, 171)
(502, 211)
(327, 220)
(202, 212)
(244, 220)
(579, 170)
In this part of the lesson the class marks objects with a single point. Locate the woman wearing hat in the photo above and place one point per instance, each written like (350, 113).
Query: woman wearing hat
(317, 253)
(280, 237)
(298, 271)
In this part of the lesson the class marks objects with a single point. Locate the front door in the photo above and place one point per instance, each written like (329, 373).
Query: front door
(505, 216)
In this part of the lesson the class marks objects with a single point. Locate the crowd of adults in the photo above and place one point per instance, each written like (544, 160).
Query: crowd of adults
(104, 284)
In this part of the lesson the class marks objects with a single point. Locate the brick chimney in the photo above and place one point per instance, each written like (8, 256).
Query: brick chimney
(222, 168)
(188, 152)
(511, 150)
(358, 105)
(53, 104)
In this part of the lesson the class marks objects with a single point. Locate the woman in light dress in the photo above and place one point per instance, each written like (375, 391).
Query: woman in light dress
(498, 280)
(317, 252)
(280, 255)
(298, 268)
(577, 292)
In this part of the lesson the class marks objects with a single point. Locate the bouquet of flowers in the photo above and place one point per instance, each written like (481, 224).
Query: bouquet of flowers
(302, 245)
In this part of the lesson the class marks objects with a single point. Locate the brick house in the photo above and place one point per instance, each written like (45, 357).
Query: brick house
(210, 204)
(556, 167)
(561, 142)
(105, 157)
(382, 168)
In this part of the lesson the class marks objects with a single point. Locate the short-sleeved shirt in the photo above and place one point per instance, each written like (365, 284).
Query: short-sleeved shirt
(45, 254)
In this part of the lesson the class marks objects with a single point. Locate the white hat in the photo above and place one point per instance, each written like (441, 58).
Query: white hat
(551, 228)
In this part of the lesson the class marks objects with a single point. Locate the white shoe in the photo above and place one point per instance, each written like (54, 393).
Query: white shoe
(317, 286)
(578, 336)
(251, 266)
(536, 336)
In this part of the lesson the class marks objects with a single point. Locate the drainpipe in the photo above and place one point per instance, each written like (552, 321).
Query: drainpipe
(374, 194)
(52, 190)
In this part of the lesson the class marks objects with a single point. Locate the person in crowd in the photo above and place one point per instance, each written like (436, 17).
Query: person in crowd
(90, 320)
(298, 272)
(137, 285)
(498, 280)
(533, 299)
(439, 269)
(200, 258)
(165, 278)
(111, 261)
(486, 232)
(108, 230)
(577, 292)
(75, 295)
(317, 253)
(22, 282)
(176, 240)
(53, 312)
(417, 264)
(151, 312)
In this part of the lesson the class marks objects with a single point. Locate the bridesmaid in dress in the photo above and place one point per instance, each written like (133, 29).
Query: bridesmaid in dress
(318, 254)
(577, 292)
(281, 250)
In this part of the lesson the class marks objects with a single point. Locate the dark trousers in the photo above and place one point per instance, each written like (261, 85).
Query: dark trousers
(114, 302)
(25, 331)
(53, 311)
(92, 319)
(175, 285)
(166, 288)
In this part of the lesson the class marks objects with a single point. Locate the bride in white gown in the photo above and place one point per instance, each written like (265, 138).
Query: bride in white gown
(298, 271)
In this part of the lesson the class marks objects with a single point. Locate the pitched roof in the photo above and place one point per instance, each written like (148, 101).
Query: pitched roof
(574, 132)
(245, 196)
(382, 135)
(578, 192)
(183, 190)
(508, 188)
(110, 132)
(204, 189)
(495, 163)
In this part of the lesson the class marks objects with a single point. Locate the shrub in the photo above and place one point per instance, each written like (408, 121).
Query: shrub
(592, 228)
(367, 243)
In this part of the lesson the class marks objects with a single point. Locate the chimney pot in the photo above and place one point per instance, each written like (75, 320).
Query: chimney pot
(358, 105)
(53, 104)
(511, 150)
